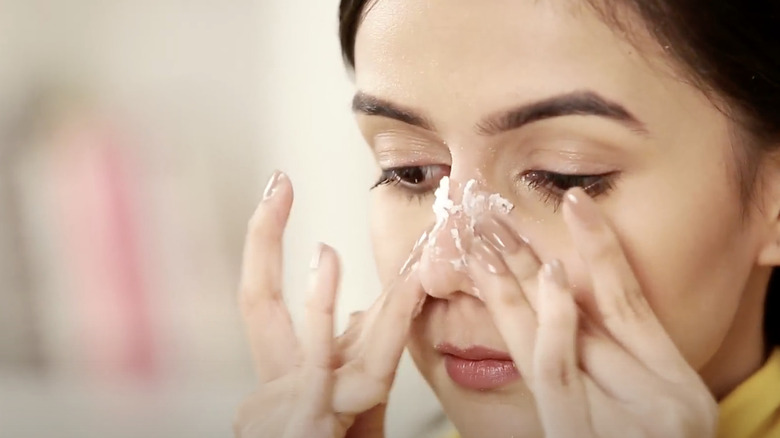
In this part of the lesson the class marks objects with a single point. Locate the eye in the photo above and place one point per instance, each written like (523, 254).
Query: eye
(417, 181)
(552, 186)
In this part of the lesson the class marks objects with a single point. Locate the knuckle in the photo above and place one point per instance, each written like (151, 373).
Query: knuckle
(239, 426)
(380, 382)
(637, 303)
(395, 310)
(625, 305)
(355, 318)
(507, 297)
(554, 375)
(675, 415)
(616, 310)
(266, 310)
(524, 265)
(705, 407)
(247, 300)
(244, 414)
(315, 305)
(559, 316)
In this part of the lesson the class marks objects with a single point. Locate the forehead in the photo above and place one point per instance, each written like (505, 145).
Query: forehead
(473, 54)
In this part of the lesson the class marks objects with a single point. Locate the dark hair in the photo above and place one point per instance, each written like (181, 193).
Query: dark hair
(729, 49)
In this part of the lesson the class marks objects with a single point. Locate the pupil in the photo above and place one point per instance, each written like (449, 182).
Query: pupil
(413, 175)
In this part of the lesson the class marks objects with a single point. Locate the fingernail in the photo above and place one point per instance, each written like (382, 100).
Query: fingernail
(273, 182)
(418, 310)
(499, 234)
(414, 255)
(410, 264)
(314, 264)
(583, 207)
(488, 257)
(554, 274)
(477, 293)
(420, 241)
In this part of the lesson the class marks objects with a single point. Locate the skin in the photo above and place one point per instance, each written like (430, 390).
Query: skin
(637, 301)
(676, 208)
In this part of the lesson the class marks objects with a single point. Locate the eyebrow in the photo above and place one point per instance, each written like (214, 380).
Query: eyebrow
(577, 103)
(369, 105)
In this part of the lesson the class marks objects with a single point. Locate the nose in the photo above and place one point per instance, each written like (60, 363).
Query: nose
(443, 261)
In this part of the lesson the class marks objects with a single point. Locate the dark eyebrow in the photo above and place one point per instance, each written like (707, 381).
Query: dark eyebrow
(373, 106)
(578, 103)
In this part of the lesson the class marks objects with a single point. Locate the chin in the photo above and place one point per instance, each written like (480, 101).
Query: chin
(483, 419)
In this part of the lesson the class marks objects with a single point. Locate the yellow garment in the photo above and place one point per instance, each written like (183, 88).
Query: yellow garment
(752, 410)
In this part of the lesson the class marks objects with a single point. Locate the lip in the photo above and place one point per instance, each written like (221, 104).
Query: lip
(478, 367)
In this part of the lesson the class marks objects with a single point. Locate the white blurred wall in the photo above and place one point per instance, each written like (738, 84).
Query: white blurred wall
(220, 94)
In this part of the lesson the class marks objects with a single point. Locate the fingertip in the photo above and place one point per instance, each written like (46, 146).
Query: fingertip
(576, 195)
(314, 264)
(581, 208)
(324, 256)
(270, 214)
(570, 199)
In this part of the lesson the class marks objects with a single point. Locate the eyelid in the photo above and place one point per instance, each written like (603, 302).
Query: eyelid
(397, 148)
(578, 159)
(398, 159)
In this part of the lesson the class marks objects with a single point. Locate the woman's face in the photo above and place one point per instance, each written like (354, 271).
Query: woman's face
(517, 95)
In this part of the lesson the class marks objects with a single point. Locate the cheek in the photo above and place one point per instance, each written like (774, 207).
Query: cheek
(692, 255)
(396, 224)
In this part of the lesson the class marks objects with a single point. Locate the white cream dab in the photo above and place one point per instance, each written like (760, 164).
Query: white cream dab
(473, 204)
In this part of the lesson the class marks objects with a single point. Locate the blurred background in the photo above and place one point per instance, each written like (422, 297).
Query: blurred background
(136, 137)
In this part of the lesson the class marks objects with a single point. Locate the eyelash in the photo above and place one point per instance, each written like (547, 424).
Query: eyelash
(410, 184)
(551, 186)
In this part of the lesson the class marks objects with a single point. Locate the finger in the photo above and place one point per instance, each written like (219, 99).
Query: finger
(623, 308)
(516, 251)
(366, 380)
(386, 335)
(558, 383)
(504, 299)
(617, 373)
(266, 319)
(375, 339)
(350, 343)
(410, 265)
(346, 342)
(318, 335)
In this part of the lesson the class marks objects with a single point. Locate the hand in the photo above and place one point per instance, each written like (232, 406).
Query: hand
(610, 372)
(316, 386)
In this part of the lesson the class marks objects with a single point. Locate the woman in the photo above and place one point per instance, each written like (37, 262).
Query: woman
(626, 292)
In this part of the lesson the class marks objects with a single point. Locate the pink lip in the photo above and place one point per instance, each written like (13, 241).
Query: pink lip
(478, 367)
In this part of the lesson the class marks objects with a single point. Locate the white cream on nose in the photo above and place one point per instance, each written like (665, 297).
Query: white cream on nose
(465, 214)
